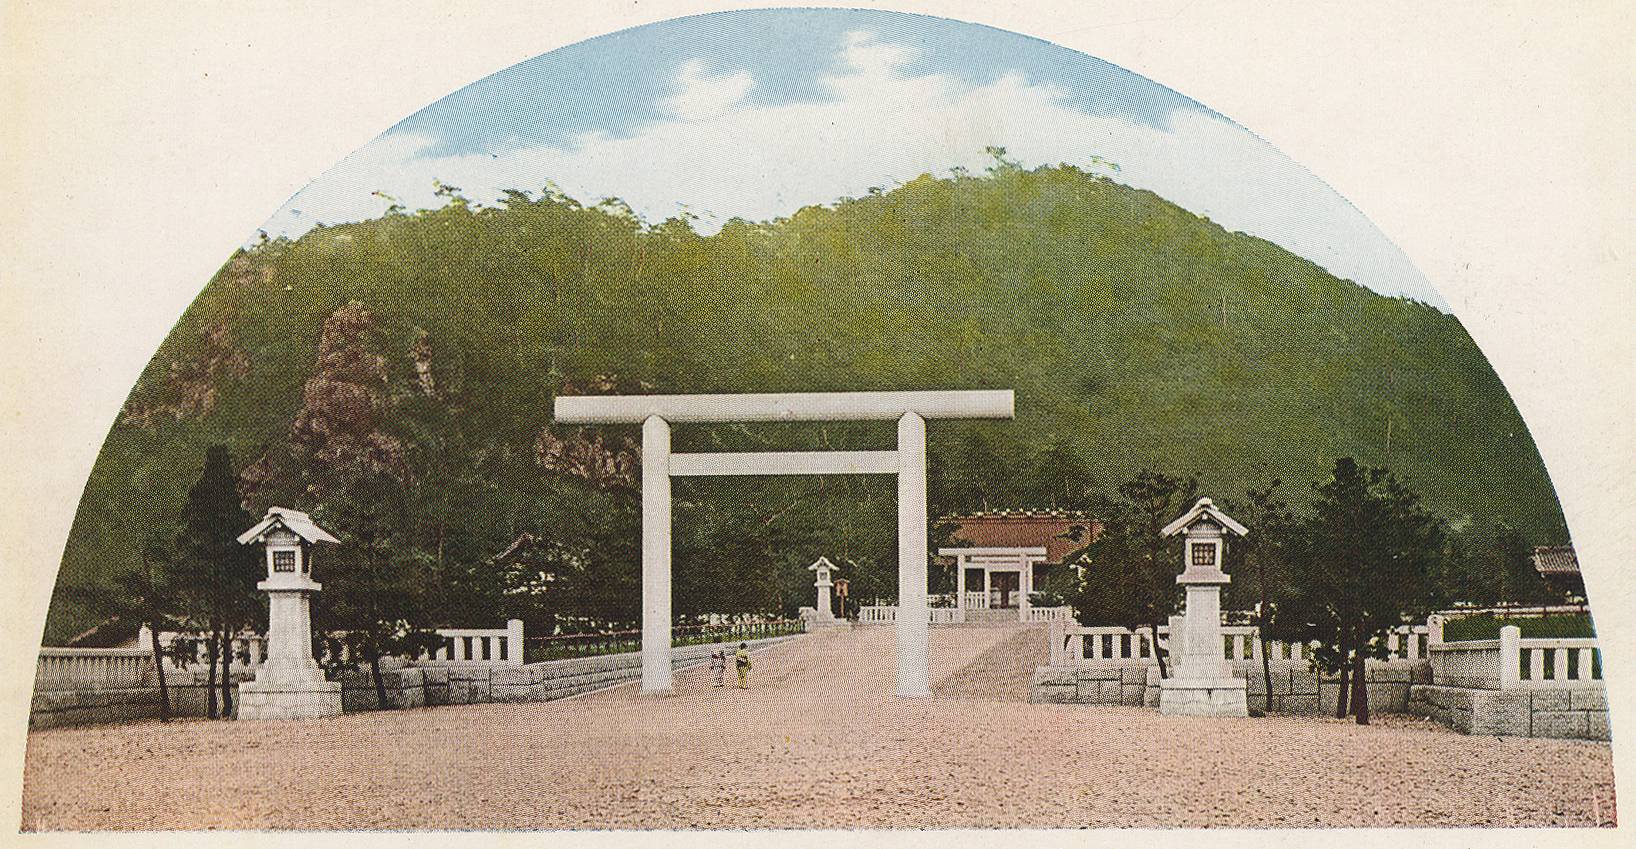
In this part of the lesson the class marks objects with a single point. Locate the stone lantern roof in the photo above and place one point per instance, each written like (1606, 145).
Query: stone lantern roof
(1204, 509)
(294, 521)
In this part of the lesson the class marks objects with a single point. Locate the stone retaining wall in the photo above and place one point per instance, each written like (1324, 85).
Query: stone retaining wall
(1570, 713)
(91, 707)
(1296, 688)
(457, 684)
(98, 705)
(1090, 685)
(406, 686)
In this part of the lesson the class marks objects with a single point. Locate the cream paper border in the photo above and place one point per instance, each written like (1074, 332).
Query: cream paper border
(140, 143)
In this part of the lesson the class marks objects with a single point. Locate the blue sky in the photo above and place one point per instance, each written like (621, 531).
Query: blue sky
(754, 114)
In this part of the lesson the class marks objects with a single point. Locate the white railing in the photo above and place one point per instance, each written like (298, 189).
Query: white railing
(878, 614)
(460, 645)
(886, 614)
(1080, 645)
(978, 599)
(1112, 645)
(1515, 663)
(479, 645)
(1538, 663)
(248, 649)
(1049, 614)
(1557, 663)
(1517, 611)
(1115, 645)
(1410, 642)
(94, 669)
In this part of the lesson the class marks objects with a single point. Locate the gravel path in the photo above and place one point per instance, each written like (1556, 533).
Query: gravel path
(817, 742)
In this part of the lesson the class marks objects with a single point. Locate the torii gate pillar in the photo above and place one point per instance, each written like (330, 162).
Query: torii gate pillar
(908, 462)
(656, 667)
(913, 618)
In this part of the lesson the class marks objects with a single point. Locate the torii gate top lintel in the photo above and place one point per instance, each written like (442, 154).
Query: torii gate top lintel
(786, 406)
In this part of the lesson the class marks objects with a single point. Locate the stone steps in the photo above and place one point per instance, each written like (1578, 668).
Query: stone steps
(978, 617)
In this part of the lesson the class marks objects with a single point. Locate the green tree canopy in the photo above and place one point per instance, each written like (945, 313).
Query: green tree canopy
(1361, 563)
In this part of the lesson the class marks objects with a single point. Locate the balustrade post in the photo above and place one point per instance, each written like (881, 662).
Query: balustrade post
(514, 642)
(1510, 657)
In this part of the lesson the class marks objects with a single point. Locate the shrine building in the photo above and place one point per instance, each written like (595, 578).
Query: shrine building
(1002, 557)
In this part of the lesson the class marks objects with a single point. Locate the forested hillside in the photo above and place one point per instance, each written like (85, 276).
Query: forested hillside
(428, 347)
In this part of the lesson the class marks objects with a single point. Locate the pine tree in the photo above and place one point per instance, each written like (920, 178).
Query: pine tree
(218, 576)
(1361, 564)
(1262, 559)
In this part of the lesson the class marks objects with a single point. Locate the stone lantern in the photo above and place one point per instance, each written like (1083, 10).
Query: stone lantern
(1202, 681)
(289, 684)
(823, 569)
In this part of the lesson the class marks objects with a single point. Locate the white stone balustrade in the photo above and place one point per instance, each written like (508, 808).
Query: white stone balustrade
(878, 614)
(502, 646)
(887, 614)
(1049, 614)
(95, 669)
(1515, 663)
(494, 646)
(1539, 663)
(1078, 644)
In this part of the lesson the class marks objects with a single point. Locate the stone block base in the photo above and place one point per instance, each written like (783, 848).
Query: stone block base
(298, 700)
(1578, 713)
(1203, 697)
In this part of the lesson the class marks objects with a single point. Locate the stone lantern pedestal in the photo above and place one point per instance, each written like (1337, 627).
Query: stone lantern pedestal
(1201, 682)
(289, 684)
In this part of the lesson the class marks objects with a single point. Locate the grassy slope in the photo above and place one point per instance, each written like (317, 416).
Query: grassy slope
(1143, 334)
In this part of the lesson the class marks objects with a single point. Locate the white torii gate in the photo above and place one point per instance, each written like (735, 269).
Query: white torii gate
(908, 462)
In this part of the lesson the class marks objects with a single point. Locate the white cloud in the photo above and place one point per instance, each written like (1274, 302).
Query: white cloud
(704, 95)
(723, 157)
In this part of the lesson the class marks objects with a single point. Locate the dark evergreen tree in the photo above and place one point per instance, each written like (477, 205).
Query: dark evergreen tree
(1259, 563)
(217, 574)
(375, 582)
(1360, 564)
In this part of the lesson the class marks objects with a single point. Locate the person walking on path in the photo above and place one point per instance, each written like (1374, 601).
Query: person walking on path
(718, 666)
(741, 659)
